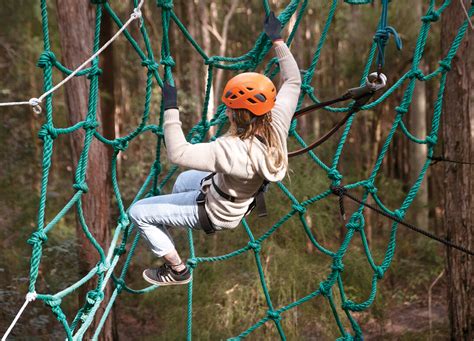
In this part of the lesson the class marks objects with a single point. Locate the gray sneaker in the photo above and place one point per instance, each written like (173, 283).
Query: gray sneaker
(165, 275)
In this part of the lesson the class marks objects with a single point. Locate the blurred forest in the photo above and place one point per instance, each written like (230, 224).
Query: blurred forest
(227, 295)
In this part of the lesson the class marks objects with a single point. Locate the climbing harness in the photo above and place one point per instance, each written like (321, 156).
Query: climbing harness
(258, 202)
(361, 95)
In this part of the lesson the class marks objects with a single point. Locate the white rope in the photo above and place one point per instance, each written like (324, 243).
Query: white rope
(467, 14)
(31, 296)
(35, 102)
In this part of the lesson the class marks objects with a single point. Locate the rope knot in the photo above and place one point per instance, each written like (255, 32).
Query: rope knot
(338, 190)
(47, 130)
(81, 186)
(431, 16)
(53, 301)
(379, 272)
(124, 221)
(432, 139)
(121, 144)
(151, 65)
(137, 13)
(165, 4)
(418, 74)
(210, 61)
(119, 284)
(158, 131)
(356, 222)
(324, 289)
(274, 315)
(59, 313)
(370, 187)
(90, 124)
(307, 88)
(255, 246)
(94, 71)
(37, 238)
(46, 59)
(299, 208)
(192, 263)
(348, 305)
(334, 175)
(445, 65)
(399, 214)
(101, 268)
(31, 296)
(337, 264)
(120, 250)
(93, 296)
(381, 37)
(157, 166)
(401, 110)
(168, 61)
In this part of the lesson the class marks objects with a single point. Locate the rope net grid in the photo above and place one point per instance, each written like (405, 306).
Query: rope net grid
(123, 237)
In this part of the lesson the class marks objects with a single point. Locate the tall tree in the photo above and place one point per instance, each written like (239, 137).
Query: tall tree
(417, 152)
(458, 206)
(76, 27)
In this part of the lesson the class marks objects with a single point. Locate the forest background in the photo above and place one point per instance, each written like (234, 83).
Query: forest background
(228, 295)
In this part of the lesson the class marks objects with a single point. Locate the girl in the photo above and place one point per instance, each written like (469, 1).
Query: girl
(251, 154)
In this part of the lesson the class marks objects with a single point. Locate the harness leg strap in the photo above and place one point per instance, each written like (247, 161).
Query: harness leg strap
(204, 220)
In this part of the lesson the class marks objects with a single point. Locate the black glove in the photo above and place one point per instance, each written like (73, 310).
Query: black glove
(272, 27)
(170, 100)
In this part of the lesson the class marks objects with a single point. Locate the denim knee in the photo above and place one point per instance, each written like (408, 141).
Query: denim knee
(134, 214)
(180, 182)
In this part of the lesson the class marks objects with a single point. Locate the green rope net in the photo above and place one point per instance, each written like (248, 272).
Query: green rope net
(125, 236)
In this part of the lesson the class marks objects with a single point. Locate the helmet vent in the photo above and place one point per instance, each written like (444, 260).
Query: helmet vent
(260, 97)
(249, 89)
(233, 97)
(227, 94)
(251, 100)
(241, 92)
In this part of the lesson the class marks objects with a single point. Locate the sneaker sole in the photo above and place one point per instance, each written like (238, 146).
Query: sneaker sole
(149, 280)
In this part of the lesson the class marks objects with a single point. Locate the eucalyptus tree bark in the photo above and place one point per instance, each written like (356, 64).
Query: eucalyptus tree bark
(458, 206)
(417, 152)
(76, 27)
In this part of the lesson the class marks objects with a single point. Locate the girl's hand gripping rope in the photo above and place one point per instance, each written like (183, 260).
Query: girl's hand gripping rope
(170, 98)
(272, 27)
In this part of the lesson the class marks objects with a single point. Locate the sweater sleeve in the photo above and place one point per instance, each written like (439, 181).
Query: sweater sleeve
(210, 156)
(287, 97)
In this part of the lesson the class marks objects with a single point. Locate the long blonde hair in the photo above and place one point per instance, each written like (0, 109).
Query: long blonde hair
(245, 125)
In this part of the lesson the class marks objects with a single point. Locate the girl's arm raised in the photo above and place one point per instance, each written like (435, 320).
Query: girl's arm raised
(287, 97)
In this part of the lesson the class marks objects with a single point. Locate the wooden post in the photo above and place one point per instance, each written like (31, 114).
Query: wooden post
(458, 215)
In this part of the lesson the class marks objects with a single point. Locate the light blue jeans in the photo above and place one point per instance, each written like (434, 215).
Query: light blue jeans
(153, 216)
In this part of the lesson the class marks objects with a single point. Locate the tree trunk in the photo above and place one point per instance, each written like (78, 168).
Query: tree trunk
(76, 27)
(417, 152)
(458, 213)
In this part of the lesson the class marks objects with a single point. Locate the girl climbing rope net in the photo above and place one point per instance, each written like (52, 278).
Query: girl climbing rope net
(229, 174)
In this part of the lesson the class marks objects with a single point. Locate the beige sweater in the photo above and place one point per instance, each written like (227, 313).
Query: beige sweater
(240, 169)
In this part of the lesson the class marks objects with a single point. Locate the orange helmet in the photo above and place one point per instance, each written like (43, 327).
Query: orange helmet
(251, 91)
